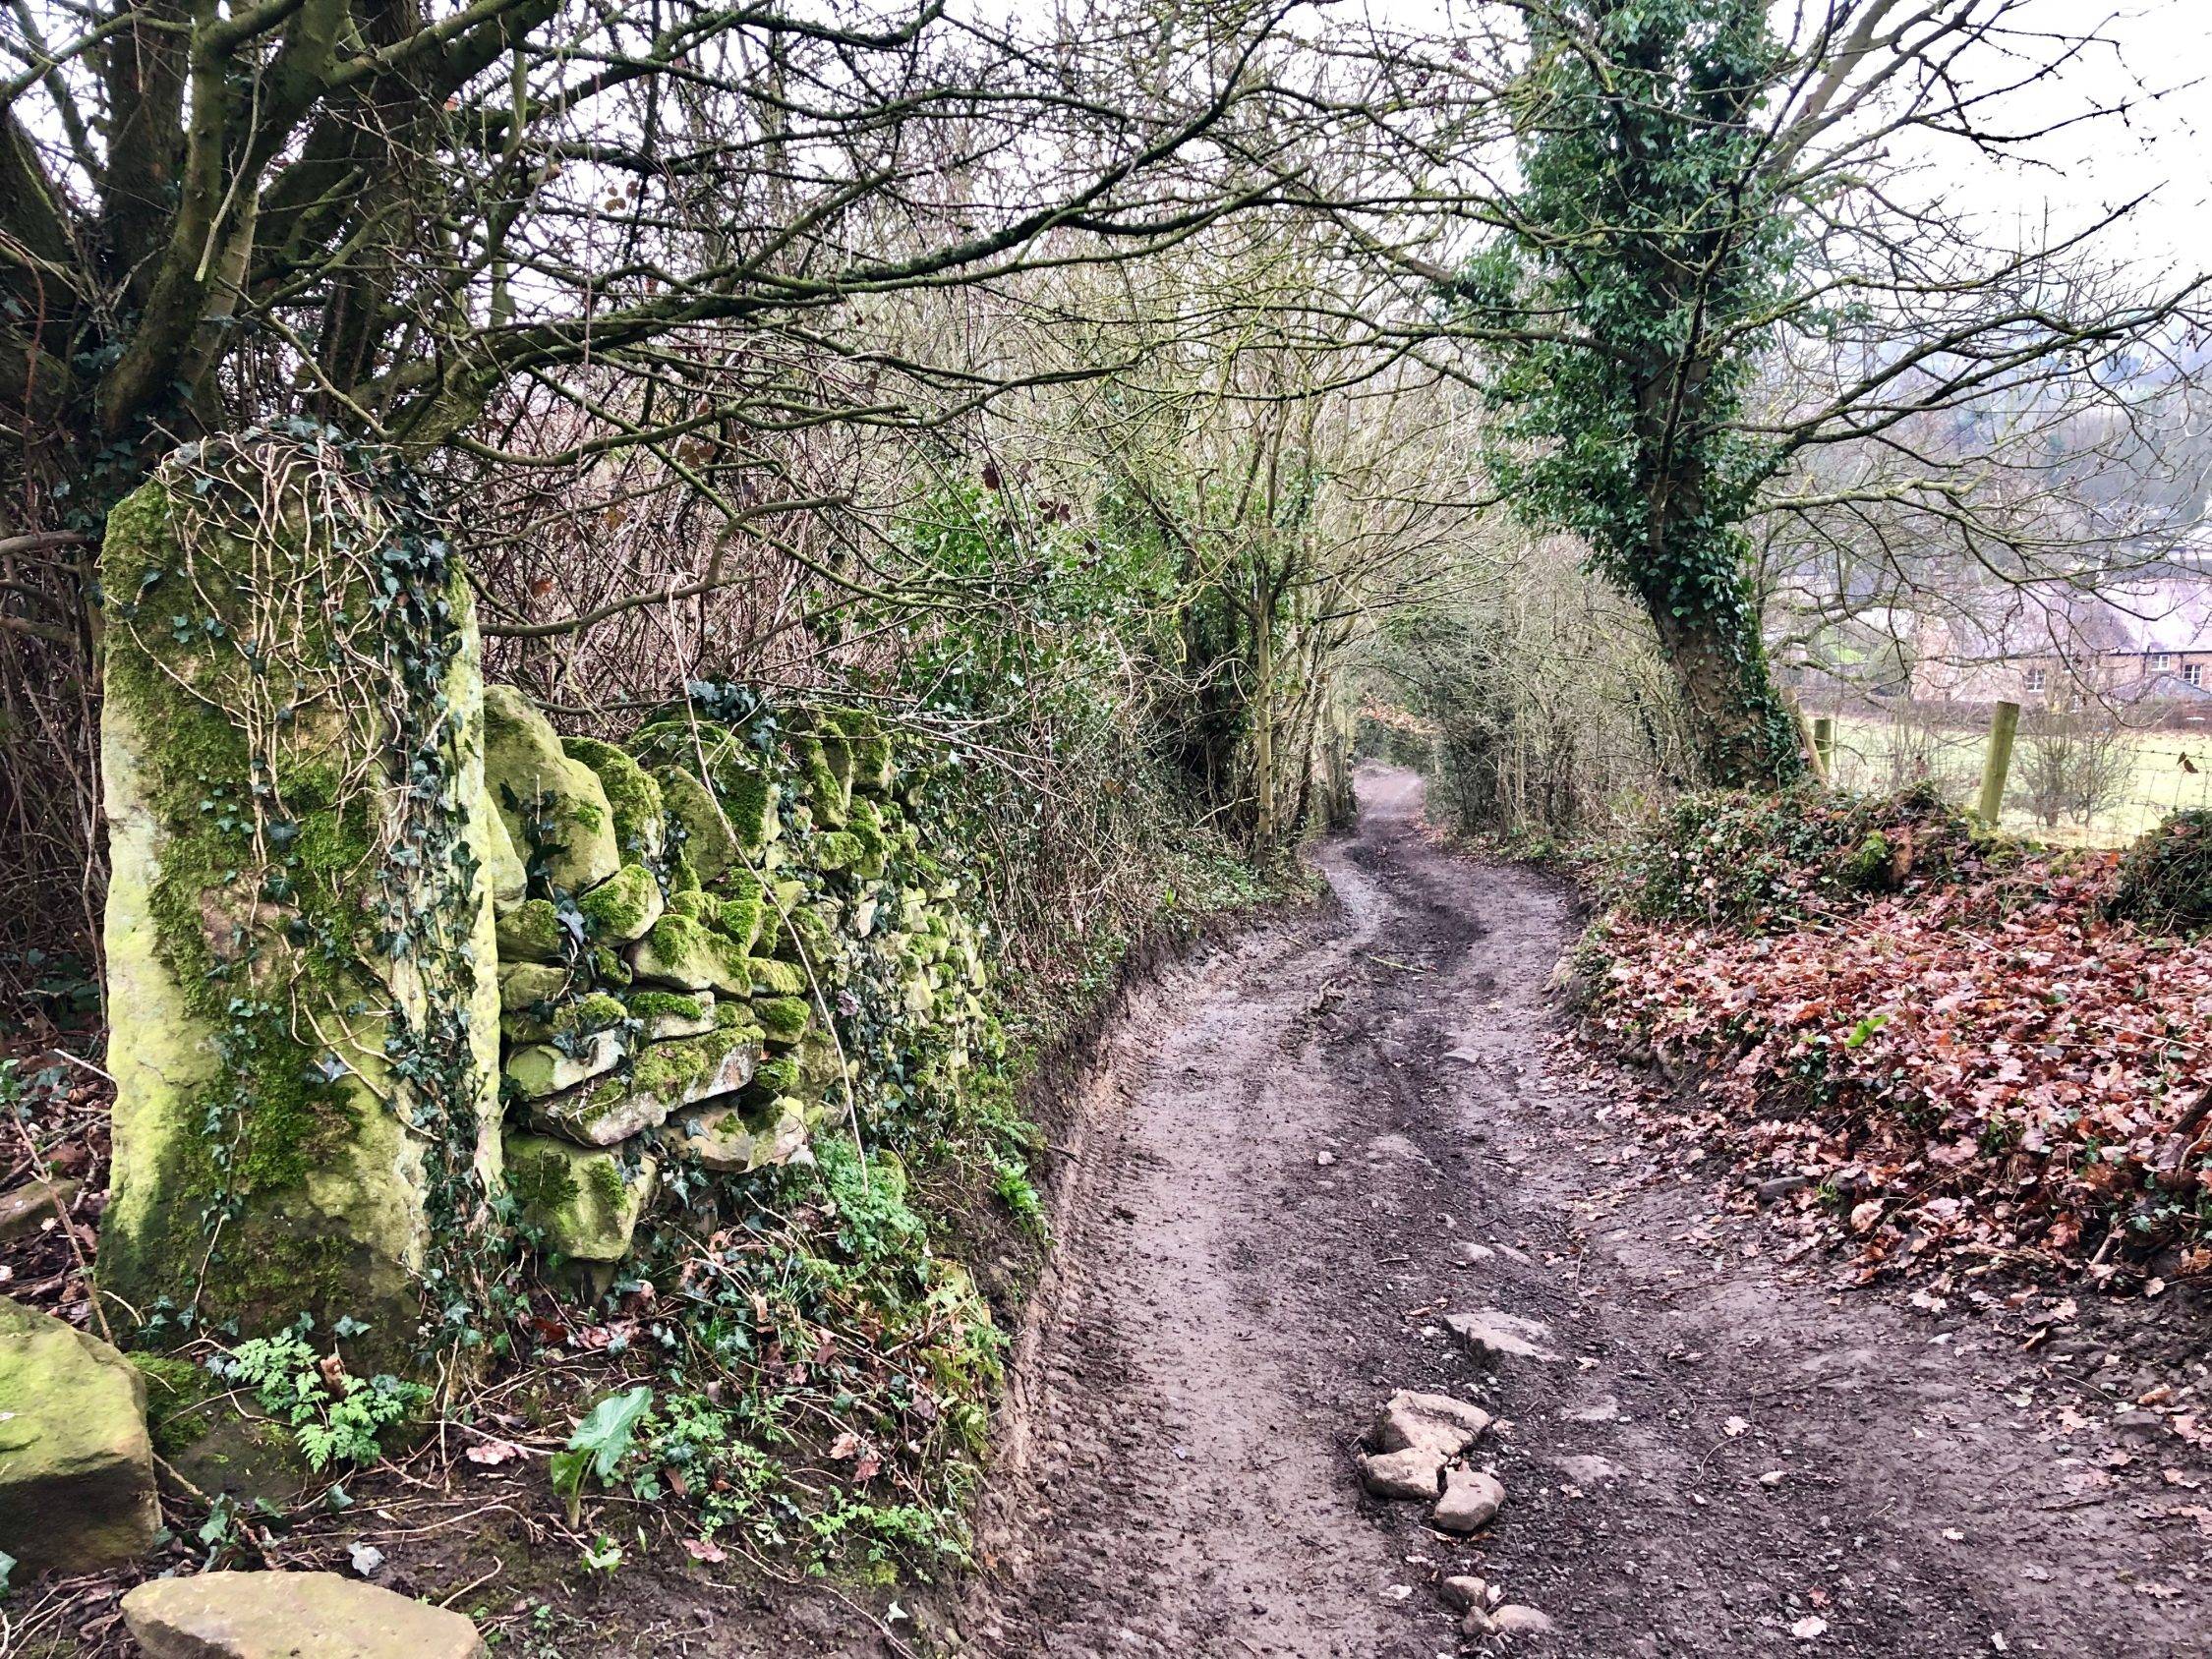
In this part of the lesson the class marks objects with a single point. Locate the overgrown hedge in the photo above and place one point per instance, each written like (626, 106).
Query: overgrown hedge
(2164, 882)
(1756, 861)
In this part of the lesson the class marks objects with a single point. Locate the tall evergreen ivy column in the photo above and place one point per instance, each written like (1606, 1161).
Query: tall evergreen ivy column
(1620, 309)
(301, 973)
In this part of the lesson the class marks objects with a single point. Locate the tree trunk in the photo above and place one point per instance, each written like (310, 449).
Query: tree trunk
(1740, 730)
(1264, 717)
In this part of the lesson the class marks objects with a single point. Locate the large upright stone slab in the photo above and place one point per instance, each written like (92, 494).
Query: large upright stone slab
(553, 803)
(302, 970)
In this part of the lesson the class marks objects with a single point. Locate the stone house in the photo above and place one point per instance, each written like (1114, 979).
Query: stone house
(2135, 643)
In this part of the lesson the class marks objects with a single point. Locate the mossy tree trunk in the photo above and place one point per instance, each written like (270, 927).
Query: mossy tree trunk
(1742, 734)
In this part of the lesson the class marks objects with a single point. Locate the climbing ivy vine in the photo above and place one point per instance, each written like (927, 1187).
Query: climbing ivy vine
(1621, 309)
(296, 630)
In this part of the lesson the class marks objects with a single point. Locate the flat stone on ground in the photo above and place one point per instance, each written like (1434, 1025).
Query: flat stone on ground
(1491, 1335)
(291, 1616)
(29, 1207)
(1409, 1473)
(1432, 1422)
(1513, 1620)
(1471, 1500)
(1464, 1590)
(1589, 1468)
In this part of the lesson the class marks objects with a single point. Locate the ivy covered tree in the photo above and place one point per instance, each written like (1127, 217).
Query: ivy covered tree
(1712, 297)
(1642, 240)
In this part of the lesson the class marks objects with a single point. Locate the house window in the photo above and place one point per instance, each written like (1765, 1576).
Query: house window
(2162, 661)
(2036, 679)
(2194, 672)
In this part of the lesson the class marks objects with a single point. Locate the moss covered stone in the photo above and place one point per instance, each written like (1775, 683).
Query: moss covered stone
(667, 1014)
(742, 908)
(262, 1163)
(621, 909)
(533, 933)
(782, 1018)
(840, 849)
(743, 797)
(526, 985)
(867, 747)
(556, 812)
(76, 1461)
(706, 843)
(538, 1069)
(748, 797)
(665, 1077)
(766, 976)
(823, 1067)
(816, 756)
(529, 993)
(778, 1074)
(583, 1202)
(806, 934)
(872, 854)
(678, 952)
(631, 794)
(503, 870)
(720, 1137)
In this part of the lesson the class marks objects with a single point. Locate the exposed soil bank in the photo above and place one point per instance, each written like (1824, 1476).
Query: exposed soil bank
(1229, 1305)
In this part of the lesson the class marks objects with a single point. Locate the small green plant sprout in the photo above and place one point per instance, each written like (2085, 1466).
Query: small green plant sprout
(597, 1447)
(333, 1417)
(1009, 1180)
(603, 1555)
(1865, 1030)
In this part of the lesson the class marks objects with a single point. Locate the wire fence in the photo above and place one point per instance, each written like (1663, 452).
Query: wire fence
(2084, 781)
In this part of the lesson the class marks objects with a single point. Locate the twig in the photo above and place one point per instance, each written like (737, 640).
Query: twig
(69, 1230)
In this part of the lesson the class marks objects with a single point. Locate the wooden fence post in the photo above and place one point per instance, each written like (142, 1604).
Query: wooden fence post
(1998, 761)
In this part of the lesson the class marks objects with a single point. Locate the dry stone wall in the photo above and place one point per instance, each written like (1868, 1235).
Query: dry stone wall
(686, 922)
(393, 963)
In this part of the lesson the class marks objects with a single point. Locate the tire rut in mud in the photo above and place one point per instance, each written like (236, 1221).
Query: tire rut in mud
(1293, 1146)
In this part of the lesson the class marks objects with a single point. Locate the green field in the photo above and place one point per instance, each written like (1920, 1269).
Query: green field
(1876, 754)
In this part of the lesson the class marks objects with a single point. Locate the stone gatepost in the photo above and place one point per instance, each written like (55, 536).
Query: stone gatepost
(302, 985)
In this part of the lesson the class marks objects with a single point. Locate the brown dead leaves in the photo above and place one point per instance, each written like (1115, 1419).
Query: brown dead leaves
(1989, 1073)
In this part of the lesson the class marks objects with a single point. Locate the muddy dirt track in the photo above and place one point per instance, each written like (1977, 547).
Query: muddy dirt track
(1267, 1215)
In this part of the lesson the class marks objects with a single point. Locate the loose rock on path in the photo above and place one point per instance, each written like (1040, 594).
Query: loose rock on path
(1328, 1166)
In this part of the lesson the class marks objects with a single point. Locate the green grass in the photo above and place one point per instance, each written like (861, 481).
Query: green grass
(2159, 785)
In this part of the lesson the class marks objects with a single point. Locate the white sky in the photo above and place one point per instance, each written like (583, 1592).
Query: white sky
(2156, 55)
(2160, 60)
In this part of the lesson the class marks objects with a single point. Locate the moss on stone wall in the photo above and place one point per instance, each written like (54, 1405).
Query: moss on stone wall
(259, 1171)
(622, 908)
(632, 796)
(223, 1112)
